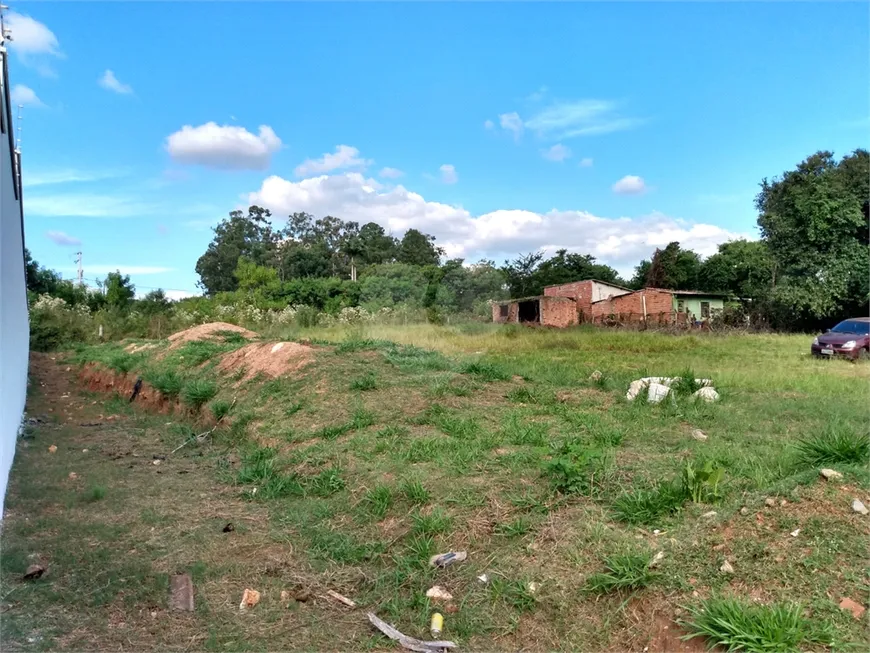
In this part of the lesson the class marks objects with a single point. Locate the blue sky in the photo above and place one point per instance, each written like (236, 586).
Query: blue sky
(607, 128)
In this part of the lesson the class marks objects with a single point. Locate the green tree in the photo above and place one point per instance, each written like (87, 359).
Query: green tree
(248, 235)
(815, 221)
(417, 248)
(375, 245)
(251, 276)
(673, 268)
(118, 290)
(154, 303)
(742, 268)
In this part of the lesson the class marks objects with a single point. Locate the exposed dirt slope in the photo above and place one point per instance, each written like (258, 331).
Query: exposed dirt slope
(271, 359)
(210, 331)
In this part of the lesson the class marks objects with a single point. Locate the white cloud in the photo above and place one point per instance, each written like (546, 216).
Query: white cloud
(556, 153)
(225, 147)
(111, 83)
(25, 95)
(175, 295)
(61, 238)
(488, 124)
(33, 42)
(620, 242)
(511, 122)
(579, 118)
(390, 173)
(448, 174)
(630, 185)
(344, 157)
(538, 95)
(586, 163)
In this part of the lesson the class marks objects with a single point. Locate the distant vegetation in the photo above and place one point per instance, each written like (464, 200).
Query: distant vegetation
(809, 270)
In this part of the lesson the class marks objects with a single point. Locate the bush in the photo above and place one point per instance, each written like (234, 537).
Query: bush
(577, 469)
(197, 392)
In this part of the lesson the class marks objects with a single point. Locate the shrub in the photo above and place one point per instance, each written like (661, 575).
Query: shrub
(197, 392)
(702, 484)
(622, 571)
(735, 624)
(577, 469)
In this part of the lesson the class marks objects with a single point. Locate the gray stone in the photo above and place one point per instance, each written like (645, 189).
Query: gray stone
(831, 474)
(181, 593)
(726, 568)
(699, 435)
(859, 507)
(770, 502)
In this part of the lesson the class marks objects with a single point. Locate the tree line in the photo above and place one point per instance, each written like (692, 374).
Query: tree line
(810, 268)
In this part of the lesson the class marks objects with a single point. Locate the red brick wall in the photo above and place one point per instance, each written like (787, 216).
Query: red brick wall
(513, 311)
(557, 312)
(629, 308)
(581, 291)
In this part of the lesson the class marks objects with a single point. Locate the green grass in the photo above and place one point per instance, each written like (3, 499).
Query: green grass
(96, 493)
(627, 571)
(470, 437)
(220, 408)
(838, 443)
(740, 625)
(197, 392)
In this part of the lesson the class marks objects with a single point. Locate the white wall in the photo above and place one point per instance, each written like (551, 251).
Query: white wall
(14, 327)
(605, 291)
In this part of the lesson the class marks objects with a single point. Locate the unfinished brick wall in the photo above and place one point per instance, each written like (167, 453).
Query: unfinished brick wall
(580, 291)
(558, 311)
(513, 312)
(629, 308)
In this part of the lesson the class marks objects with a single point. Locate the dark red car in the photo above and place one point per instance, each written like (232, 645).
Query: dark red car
(850, 338)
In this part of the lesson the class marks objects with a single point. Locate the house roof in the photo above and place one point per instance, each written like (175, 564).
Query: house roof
(526, 299)
(603, 283)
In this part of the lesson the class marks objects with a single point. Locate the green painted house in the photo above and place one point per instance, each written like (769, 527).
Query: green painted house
(699, 305)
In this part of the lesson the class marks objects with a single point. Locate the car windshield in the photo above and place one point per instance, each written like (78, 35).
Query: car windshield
(853, 326)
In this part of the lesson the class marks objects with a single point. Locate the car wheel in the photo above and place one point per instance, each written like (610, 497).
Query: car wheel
(864, 355)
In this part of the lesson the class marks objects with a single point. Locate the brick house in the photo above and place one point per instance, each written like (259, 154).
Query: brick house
(543, 310)
(659, 306)
(585, 293)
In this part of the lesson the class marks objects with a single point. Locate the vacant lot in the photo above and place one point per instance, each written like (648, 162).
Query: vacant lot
(345, 463)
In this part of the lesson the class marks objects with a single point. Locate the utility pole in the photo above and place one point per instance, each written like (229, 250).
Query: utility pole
(81, 271)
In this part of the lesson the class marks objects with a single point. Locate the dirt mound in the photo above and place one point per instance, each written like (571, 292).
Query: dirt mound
(208, 331)
(269, 358)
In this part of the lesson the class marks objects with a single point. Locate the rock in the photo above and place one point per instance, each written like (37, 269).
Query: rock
(744, 510)
(52, 448)
(795, 532)
(859, 507)
(707, 393)
(438, 593)
(770, 502)
(595, 376)
(783, 502)
(831, 475)
(854, 607)
(726, 568)
(657, 559)
(634, 389)
(483, 578)
(250, 598)
(156, 462)
(73, 476)
(181, 593)
(699, 435)
(707, 515)
(285, 595)
(33, 572)
(657, 392)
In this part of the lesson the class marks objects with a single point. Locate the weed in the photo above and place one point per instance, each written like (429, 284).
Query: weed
(647, 505)
(378, 501)
(622, 571)
(333, 432)
(231, 337)
(259, 468)
(516, 528)
(486, 371)
(197, 352)
(368, 381)
(529, 501)
(430, 524)
(393, 432)
(702, 484)
(515, 593)
(362, 418)
(836, 444)
(220, 408)
(361, 344)
(327, 482)
(415, 492)
(736, 624)
(167, 382)
(520, 432)
(523, 395)
(422, 547)
(294, 408)
(685, 384)
(96, 493)
(608, 436)
(340, 547)
(197, 392)
(577, 469)
(122, 362)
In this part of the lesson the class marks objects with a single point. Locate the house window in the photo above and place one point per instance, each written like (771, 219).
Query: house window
(681, 306)
(705, 310)
(504, 310)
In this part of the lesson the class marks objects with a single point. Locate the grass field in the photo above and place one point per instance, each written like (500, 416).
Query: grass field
(397, 443)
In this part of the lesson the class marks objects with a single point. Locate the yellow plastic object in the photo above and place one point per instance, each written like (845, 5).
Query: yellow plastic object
(437, 624)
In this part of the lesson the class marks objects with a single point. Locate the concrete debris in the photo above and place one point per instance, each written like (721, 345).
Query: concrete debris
(699, 435)
(52, 448)
(744, 510)
(181, 593)
(657, 558)
(595, 376)
(656, 392)
(859, 507)
(707, 393)
(250, 598)
(439, 593)
(770, 502)
(726, 568)
(483, 578)
(831, 475)
(707, 515)
(73, 476)
(445, 559)
(409, 643)
(33, 572)
(795, 532)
